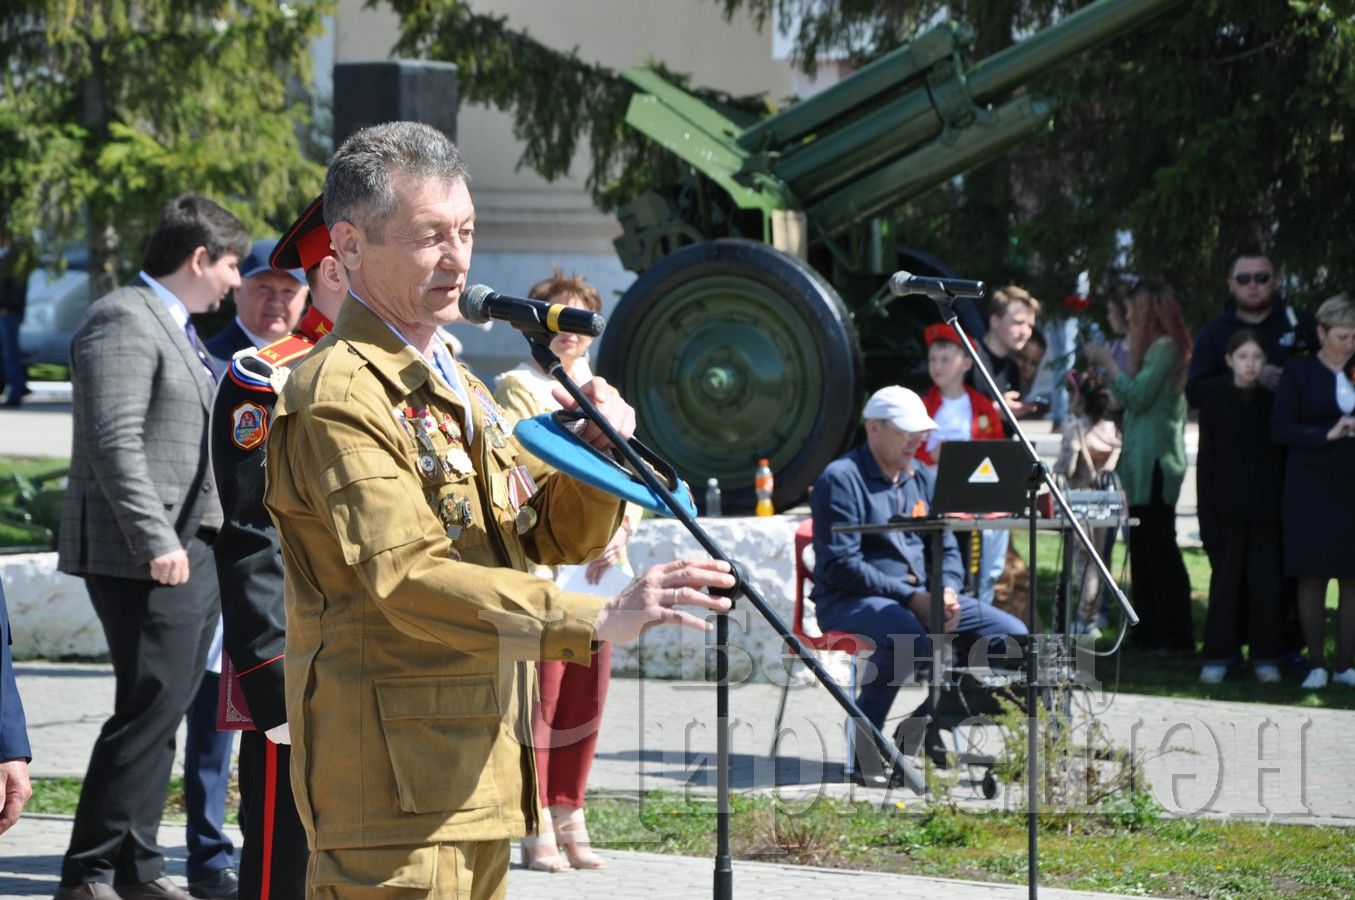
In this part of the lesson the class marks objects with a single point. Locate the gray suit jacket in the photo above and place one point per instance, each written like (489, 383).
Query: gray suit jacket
(140, 482)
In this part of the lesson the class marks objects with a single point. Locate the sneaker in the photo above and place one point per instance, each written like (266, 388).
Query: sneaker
(1213, 674)
(1346, 678)
(1267, 673)
(1316, 680)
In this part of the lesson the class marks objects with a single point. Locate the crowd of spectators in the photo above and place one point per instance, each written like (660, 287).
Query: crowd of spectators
(1272, 387)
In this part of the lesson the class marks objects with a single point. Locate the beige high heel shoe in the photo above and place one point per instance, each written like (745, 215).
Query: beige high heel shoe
(541, 854)
(571, 835)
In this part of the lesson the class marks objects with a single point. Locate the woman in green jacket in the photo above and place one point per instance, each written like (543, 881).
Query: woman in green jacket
(1153, 461)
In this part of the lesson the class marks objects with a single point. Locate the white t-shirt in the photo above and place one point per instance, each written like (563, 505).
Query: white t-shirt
(954, 421)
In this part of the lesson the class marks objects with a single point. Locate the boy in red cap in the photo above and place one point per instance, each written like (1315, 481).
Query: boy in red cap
(962, 414)
(960, 411)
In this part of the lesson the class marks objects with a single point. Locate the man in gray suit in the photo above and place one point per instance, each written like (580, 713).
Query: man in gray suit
(141, 510)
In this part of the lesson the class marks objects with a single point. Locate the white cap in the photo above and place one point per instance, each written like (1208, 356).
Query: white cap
(899, 407)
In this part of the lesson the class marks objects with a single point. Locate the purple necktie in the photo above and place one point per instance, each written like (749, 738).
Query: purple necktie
(201, 351)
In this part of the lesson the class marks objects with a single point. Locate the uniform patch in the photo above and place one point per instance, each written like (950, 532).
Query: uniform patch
(249, 425)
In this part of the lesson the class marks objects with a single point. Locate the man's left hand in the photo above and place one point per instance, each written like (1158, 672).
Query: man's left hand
(610, 403)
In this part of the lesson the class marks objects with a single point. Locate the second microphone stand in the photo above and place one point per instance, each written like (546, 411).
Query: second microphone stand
(1037, 475)
(724, 871)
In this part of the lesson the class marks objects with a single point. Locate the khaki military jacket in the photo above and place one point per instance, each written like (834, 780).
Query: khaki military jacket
(409, 616)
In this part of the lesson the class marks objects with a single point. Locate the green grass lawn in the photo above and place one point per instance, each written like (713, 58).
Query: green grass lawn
(1138, 672)
(59, 796)
(1126, 849)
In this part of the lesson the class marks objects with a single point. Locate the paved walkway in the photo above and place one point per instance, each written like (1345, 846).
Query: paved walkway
(1223, 759)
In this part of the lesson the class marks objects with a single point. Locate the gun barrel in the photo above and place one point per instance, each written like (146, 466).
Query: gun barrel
(838, 156)
(883, 76)
(929, 165)
(1075, 33)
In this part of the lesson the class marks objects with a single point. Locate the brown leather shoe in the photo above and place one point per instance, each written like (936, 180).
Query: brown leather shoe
(159, 889)
(90, 889)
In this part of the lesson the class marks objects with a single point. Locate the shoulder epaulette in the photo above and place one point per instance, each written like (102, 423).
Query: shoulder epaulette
(286, 350)
(250, 372)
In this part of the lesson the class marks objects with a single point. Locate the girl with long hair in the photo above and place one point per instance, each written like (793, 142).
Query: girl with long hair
(1153, 460)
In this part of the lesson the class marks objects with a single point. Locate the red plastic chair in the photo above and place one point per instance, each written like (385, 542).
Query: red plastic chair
(853, 645)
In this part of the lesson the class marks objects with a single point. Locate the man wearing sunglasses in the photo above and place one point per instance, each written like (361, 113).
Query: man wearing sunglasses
(1285, 331)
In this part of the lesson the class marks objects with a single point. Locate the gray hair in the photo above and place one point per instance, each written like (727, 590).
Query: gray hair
(1337, 312)
(360, 183)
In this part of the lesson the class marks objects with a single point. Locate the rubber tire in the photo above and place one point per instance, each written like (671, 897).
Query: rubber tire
(664, 333)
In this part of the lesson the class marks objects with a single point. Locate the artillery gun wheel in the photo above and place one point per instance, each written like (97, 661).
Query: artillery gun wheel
(730, 350)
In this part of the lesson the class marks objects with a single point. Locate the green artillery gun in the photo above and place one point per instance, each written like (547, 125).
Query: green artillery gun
(763, 272)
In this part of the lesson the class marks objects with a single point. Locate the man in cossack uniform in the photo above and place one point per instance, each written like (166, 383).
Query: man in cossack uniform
(249, 565)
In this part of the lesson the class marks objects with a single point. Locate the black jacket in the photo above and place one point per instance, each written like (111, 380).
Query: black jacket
(1285, 333)
(1239, 469)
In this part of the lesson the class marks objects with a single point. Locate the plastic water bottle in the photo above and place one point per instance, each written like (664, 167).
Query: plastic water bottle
(713, 510)
(762, 485)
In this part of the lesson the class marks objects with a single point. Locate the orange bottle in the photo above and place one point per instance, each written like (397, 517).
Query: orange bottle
(762, 485)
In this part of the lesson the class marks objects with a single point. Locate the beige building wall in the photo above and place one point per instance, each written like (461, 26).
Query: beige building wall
(526, 224)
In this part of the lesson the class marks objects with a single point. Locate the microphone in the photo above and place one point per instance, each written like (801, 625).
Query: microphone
(901, 284)
(479, 304)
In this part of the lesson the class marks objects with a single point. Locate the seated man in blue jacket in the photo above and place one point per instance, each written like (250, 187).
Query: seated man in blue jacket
(876, 584)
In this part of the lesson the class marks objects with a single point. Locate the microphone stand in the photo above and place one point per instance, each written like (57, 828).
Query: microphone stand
(1038, 474)
(724, 870)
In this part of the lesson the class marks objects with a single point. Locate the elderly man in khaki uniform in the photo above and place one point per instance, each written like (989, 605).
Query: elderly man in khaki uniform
(407, 517)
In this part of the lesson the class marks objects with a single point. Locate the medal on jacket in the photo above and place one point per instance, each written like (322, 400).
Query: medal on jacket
(455, 514)
(428, 464)
(525, 519)
(458, 461)
(451, 428)
(494, 421)
(450, 516)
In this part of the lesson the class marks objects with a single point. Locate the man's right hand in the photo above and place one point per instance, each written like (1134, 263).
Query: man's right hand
(15, 789)
(921, 605)
(651, 598)
(172, 568)
(1019, 409)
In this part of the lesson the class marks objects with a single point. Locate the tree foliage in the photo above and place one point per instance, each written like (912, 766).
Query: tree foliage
(1222, 125)
(108, 109)
(558, 100)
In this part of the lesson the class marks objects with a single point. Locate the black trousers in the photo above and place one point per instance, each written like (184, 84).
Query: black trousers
(1245, 600)
(1161, 585)
(158, 638)
(274, 856)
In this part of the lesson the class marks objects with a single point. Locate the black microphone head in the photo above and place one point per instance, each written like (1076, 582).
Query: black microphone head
(473, 303)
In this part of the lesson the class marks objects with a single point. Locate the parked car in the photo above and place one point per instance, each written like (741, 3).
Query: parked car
(56, 306)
